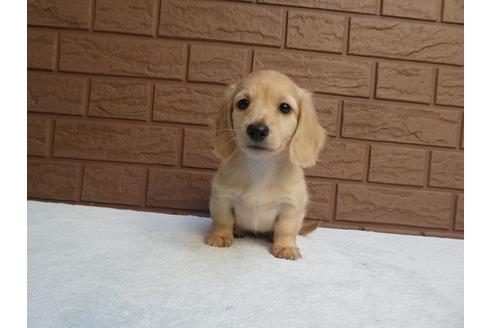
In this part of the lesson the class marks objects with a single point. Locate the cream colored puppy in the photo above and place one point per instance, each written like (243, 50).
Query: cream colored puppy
(266, 132)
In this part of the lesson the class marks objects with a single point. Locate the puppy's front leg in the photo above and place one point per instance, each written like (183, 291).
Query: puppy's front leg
(223, 223)
(285, 232)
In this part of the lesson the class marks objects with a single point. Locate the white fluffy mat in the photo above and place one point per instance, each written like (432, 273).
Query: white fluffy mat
(99, 267)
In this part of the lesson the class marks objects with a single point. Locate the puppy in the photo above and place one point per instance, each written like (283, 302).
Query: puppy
(267, 130)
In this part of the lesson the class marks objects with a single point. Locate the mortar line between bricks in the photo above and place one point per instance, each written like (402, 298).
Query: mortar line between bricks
(81, 182)
(435, 76)
(143, 200)
(367, 163)
(373, 80)
(187, 61)
(461, 131)
(339, 119)
(179, 148)
(157, 19)
(453, 212)
(161, 81)
(334, 202)
(251, 60)
(57, 55)
(400, 144)
(152, 104)
(93, 16)
(87, 100)
(285, 27)
(440, 11)
(346, 37)
(427, 167)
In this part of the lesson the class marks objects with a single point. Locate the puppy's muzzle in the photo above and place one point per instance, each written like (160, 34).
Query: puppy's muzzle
(257, 131)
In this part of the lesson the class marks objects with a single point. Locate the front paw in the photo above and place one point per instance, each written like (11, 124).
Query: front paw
(219, 241)
(288, 253)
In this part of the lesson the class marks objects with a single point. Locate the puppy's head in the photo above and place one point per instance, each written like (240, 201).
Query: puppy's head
(265, 114)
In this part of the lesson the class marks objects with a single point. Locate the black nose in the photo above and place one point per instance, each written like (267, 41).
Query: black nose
(257, 131)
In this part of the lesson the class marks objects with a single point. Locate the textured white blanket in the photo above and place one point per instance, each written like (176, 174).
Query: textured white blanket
(100, 267)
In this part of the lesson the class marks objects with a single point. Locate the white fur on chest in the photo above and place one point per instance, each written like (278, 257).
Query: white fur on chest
(256, 208)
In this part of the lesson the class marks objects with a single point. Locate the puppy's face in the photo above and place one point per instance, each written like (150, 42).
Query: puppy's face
(265, 114)
(265, 108)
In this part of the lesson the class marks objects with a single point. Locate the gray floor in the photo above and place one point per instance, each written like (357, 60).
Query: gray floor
(98, 267)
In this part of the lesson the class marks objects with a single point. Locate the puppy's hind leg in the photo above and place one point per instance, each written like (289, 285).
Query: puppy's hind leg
(223, 223)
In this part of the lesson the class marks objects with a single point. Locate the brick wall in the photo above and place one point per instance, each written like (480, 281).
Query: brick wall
(120, 95)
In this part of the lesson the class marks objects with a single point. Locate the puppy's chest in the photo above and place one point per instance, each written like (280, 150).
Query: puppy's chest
(256, 209)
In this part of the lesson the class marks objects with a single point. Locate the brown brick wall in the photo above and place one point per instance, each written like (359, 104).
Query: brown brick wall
(121, 94)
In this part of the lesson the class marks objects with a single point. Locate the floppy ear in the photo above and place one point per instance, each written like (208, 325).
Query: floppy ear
(309, 136)
(224, 139)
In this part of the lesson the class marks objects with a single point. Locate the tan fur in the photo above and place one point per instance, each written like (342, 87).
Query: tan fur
(264, 191)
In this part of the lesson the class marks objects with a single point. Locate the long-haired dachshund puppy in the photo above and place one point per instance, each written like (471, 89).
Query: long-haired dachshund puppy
(267, 130)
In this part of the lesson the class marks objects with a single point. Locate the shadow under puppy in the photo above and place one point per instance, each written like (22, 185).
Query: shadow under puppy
(266, 132)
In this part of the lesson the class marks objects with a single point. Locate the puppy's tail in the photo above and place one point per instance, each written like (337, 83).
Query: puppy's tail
(308, 227)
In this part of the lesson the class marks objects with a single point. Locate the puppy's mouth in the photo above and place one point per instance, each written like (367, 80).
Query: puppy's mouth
(258, 148)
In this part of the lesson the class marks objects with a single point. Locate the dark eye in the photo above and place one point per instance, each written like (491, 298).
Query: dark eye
(284, 108)
(243, 104)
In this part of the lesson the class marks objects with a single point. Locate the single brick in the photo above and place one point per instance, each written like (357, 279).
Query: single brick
(179, 189)
(342, 160)
(320, 205)
(406, 40)
(120, 99)
(52, 180)
(41, 49)
(364, 203)
(319, 73)
(450, 87)
(400, 124)
(421, 9)
(217, 64)
(58, 94)
(115, 142)
(397, 165)
(327, 110)
(360, 6)
(404, 82)
(460, 213)
(221, 21)
(447, 169)
(124, 16)
(59, 13)
(315, 31)
(453, 11)
(187, 103)
(38, 132)
(198, 149)
(113, 184)
(122, 56)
